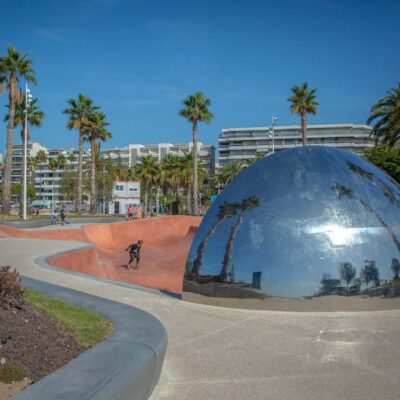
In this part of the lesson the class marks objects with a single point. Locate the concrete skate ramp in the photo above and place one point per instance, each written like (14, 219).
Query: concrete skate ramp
(166, 245)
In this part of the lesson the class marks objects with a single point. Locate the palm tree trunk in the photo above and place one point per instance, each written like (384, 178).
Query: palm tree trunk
(78, 199)
(150, 199)
(178, 189)
(23, 167)
(303, 128)
(195, 200)
(188, 198)
(223, 275)
(92, 176)
(157, 200)
(52, 192)
(6, 198)
(202, 246)
(145, 200)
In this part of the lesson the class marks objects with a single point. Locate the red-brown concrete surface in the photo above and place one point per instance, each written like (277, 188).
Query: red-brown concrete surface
(166, 245)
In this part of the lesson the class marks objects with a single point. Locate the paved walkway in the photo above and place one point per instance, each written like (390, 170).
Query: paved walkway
(217, 353)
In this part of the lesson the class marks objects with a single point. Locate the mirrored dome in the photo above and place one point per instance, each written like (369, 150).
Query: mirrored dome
(312, 229)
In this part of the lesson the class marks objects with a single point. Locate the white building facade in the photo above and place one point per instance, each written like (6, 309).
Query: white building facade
(132, 154)
(124, 194)
(246, 143)
(47, 181)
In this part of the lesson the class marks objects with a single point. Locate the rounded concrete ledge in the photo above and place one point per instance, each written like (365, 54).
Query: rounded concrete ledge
(38, 223)
(127, 365)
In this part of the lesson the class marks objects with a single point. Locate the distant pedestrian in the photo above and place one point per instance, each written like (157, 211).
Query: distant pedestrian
(53, 218)
(134, 253)
(130, 212)
(139, 212)
(63, 215)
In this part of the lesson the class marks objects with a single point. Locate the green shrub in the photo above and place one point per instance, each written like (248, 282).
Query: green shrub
(11, 292)
(12, 373)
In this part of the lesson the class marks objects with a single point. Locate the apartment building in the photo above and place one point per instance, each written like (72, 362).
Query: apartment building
(48, 181)
(246, 143)
(132, 154)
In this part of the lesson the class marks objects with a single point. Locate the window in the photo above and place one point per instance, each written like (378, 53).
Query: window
(119, 187)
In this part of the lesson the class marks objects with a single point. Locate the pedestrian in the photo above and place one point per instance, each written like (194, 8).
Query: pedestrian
(63, 215)
(139, 212)
(134, 253)
(130, 212)
(53, 218)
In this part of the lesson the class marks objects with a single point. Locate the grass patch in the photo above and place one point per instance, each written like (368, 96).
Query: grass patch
(12, 373)
(89, 328)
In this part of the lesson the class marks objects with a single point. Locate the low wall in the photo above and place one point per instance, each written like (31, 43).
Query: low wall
(38, 223)
(127, 365)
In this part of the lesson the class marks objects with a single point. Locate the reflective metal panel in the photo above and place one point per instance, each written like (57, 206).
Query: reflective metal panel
(310, 228)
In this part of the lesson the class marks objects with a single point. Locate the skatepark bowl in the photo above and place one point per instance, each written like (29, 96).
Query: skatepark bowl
(166, 245)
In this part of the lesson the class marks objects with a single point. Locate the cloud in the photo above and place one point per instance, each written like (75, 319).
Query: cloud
(103, 3)
(55, 35)
(133, 103)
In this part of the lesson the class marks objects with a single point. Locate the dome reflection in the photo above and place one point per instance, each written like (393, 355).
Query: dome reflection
(311, 228)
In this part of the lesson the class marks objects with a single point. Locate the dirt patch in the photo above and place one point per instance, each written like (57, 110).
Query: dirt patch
(36, 341)
(9, 390)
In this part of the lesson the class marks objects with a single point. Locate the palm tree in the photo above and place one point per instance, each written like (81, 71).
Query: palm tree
(303, 103)
(12, 67)
(56, 164)
(395, 268)
(95, 129)
(230, 171)
(40, 158)
(53, 167)
(386, 113)
(196, 110)
(226, 210)
(172, 174)
(347, 273)
(71, 158)
(186, 173)
(34, 117)
(78, 114)
(147, 171)
(31, 166)
(247, 204)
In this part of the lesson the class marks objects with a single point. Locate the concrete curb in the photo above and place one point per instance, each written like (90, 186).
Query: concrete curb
(38, 223)
(127, 365)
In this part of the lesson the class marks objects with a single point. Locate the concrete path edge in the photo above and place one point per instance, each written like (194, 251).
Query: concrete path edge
(127, 365)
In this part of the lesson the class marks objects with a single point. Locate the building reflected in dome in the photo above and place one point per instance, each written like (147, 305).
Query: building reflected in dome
(311, 228)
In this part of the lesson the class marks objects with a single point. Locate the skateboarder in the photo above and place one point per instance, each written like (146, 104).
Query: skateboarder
(134, 253)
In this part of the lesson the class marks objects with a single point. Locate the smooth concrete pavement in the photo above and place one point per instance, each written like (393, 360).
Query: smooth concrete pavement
(217, 353)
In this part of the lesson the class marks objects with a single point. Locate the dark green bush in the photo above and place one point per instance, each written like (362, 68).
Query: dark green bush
(12, 373)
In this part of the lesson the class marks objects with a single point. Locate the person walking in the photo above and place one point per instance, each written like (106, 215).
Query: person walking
(130, 212)
(53, 218)
(139, 212)
(63, 215)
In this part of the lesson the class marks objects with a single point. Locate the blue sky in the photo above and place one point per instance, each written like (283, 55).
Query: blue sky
(139, 58)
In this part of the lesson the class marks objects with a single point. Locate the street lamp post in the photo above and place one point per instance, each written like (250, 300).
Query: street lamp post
(272, 132)
(28, 98)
